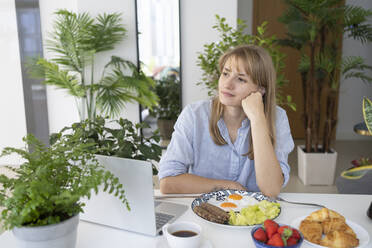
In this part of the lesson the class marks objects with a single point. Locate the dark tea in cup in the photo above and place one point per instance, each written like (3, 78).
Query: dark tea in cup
(184, 233)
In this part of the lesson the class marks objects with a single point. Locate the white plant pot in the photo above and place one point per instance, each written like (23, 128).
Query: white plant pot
(61, 235)
(316, 168)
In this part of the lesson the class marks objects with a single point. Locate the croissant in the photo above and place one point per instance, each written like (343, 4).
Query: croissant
(337, 239)
(324, 214)
(311, 230)
(337, 225)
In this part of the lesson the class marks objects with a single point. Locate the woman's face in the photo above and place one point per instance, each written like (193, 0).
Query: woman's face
(234, 84)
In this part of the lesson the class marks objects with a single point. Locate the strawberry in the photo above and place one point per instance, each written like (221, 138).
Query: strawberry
(285, 232)
(271, 227)
(292, 241)
(269, 222)
(295, 234)
(276, 240)
(260, 235)
(283, 228)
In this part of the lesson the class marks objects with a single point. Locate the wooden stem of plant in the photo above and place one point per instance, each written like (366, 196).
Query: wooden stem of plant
(304, 88)
(316, 119)
(309, 92)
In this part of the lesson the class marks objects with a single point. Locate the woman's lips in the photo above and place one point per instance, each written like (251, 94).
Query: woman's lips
(227, 94)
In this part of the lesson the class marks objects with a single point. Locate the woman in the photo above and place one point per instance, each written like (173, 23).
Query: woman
(239, 140)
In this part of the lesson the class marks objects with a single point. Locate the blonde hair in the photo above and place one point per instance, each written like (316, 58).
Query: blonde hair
(259, 66)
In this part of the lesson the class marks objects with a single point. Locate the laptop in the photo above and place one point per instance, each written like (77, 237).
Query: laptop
(146, 216)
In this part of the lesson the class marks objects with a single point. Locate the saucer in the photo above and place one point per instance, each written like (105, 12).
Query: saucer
(162, 243)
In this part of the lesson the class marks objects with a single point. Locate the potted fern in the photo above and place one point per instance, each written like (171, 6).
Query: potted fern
(76, 41)
(168, 90)
(41, 204)
(316, 29)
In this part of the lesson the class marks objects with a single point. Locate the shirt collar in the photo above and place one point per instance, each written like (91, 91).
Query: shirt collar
(246, 122)
(221, 124)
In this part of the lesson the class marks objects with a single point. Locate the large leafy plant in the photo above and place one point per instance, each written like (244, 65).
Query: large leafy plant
(75, 42)
(316, 28)
(50, 184)
(168, 90)
(120, 138)
(231, 37)
(367, 113)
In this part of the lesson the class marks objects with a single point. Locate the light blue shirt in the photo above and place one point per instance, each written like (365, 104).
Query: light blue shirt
(192, 149)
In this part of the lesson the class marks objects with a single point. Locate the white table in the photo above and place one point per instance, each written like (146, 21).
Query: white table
(353, 207)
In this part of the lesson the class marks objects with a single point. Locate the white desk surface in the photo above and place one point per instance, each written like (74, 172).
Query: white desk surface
(353, 207)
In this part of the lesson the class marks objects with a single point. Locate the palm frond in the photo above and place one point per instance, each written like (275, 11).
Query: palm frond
(355, 67)
(304, 64)
(356, 14)
(69, 39)
(121, 64)
(60, 78)
(34, 69)
(116, 89)
(356, 23)
(107, 32)
(111, 97)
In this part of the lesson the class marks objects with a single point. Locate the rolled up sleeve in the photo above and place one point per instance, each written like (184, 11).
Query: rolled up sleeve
(284, 143)
(179, 155)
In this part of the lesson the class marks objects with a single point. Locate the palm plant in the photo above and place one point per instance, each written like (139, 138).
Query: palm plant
(75, 42)
(316, 28)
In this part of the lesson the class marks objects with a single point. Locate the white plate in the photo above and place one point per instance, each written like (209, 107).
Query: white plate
(162, 243)
(361, 233)
(221, 195)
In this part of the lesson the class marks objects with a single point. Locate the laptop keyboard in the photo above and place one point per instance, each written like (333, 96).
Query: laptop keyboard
(162, 219)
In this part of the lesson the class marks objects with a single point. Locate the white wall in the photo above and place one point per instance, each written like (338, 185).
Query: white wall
(353, 90)
(12, 110)
(197, 19)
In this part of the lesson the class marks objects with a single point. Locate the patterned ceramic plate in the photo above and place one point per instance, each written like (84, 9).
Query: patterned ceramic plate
(222, 195)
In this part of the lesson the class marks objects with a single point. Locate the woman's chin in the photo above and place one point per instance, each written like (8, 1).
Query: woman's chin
(230, 102)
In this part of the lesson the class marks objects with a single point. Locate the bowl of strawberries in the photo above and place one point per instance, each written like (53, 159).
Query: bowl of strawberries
(272, 234)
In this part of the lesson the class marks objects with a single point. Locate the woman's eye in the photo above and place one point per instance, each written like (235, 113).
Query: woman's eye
(225, 73)
(242, 80)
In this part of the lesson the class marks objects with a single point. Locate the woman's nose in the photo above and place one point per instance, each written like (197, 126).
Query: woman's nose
(229, 83)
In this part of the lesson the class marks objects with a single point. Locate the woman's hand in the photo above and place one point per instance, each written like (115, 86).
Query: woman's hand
(232, 185)
(253, 105)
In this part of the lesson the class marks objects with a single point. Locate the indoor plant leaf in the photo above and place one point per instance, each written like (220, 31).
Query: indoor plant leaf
(367, 113)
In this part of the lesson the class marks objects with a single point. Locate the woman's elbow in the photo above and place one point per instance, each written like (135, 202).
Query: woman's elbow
(166, 186)
(273, 193)
(272, 190)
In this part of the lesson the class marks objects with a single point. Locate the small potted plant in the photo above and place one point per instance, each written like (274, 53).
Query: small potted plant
(168, 90)
(41, 204)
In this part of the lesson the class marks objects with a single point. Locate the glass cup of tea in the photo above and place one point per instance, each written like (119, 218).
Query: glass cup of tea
(183, 234)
